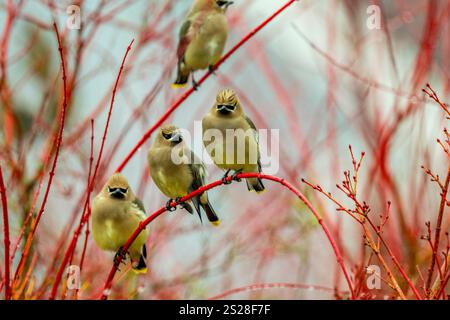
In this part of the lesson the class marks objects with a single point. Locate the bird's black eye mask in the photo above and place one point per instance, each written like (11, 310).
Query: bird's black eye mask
(174, 137)
(226, 108)
(118, 193)
(224, 3)
(167, 136)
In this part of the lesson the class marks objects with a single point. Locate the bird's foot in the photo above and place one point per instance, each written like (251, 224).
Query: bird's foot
(235, 175)
(120, 257)
(212, 69)
(169, 206)
(225, 179)
(195, 84)
(184, 205)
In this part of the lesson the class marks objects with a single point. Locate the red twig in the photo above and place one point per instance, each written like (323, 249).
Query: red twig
(85, 215)
(55, 159)
(433, 95)
(188, 93)
(142, 225)
(87, 231)
(5, 236)
(437, 234)
(91, 159)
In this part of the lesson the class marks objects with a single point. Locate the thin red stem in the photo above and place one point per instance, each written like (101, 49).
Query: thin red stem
(55, 159)
(5, 236)
(153, 216)
(91, 159)
(437, 235)
(85, 215)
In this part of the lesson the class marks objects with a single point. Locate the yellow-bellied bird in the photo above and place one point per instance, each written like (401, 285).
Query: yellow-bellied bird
(237, 146)
(116, 214)
(202, 38)
(177, 171)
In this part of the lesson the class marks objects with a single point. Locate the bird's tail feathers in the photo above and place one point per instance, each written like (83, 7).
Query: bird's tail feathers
(181, 81)
(255, 184)
(141, 266)
(196, 203)
(211, 214)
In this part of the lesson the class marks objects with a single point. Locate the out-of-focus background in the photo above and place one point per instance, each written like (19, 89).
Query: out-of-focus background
(319, 73)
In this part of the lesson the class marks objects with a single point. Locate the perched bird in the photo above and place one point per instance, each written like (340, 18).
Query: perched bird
(202, 38)
(176, 179)
(116, 214)
(237, 147)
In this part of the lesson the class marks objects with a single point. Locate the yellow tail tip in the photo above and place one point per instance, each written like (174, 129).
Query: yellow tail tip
(140, 271)
(178, 85)
(215, 223)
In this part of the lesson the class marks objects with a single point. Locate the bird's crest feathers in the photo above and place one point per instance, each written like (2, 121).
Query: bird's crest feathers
(227, 96)
(117, 180)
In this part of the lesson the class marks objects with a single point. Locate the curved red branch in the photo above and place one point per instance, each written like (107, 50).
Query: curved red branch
(153, 216)
(188, 93)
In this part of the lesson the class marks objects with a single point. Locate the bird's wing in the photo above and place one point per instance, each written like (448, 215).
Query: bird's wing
(252, 125)
(256, 134)
(137, 204)
(185, 37)
(198, 171)
(188, 30)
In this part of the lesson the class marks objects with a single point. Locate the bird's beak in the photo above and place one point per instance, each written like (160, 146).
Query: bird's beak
(224, 4)
(176, 137)
(229, 3)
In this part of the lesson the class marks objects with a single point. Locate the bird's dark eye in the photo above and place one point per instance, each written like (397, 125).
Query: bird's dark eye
(221, 3)
(123, 190)
(111, 190)
(167, 136)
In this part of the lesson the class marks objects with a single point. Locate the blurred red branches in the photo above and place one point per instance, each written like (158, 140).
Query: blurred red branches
(265, 286)
(55, 159)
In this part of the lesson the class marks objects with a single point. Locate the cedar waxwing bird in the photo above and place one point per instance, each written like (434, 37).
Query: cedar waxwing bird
(176, 179)
(202, 38)
(116, 214)
(227, 151)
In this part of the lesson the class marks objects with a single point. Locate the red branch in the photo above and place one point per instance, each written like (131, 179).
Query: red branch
(437, 235)
(188, 93)
(91, 160)
(55, 159)
(153, 216)
(6, 236)
(85, 215)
